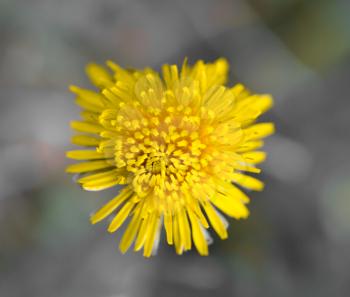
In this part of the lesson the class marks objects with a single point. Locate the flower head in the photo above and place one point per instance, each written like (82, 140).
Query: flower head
(180, 143)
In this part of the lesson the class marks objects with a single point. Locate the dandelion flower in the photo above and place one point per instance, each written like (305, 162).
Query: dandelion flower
(181, 144)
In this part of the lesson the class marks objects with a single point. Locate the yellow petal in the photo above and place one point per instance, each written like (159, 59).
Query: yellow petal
(119, 219)
(151, 234)
(90, 117)
(247, 168)
(84, 155)
(260, 130)
(98, 176)
(87, 105)
(89, 96)
(86, 127)
(170, 75)
(248, 182)
(263, 103)
(123, 75)
(168, 223)
(249, 146)
(130, 233)
(229, 189)
(184, 68)
(99, 76)
(142, 235)
(88, 166)
(240, 92)
(112, 205)
(103, 184)
(197, 235)
(210, 74)
(85, 140)
(221, 68)
(215, 220)
(177, 237)
(200, 215)
(184, 228)
(230, 205)
(254, 157)
(149, 89)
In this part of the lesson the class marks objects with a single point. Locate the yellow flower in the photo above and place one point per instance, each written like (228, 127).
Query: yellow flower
(180, 143)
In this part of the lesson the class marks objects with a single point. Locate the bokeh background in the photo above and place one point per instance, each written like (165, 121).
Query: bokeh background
(297, 239)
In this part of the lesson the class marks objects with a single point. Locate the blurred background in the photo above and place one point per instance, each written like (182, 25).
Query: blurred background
(297, 239)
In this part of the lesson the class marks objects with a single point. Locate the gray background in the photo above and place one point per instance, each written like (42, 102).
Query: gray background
(297, 239)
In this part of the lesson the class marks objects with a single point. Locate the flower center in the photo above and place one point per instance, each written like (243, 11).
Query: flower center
(156, 164)
(166, 151)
